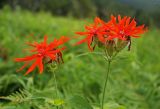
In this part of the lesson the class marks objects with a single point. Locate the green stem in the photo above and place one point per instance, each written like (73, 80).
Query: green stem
(87, 53)
(56, 86)
(105, 84)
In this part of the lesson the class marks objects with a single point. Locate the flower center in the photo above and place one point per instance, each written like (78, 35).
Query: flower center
(94, 31)
(41, 52)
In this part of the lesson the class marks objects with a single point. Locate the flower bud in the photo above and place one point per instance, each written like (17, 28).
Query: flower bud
(110, 47)
(121, 44)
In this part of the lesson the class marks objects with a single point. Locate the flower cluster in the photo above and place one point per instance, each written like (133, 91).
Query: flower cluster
(41, 52)
(114, 34)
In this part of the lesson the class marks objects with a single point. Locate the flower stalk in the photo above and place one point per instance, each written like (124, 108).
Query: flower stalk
(105, 84)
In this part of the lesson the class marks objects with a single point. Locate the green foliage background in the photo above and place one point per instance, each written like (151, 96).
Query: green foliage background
(134, 80)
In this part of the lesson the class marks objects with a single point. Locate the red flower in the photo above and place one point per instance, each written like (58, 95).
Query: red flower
(43, 51)
(124, 28)
(93, 31)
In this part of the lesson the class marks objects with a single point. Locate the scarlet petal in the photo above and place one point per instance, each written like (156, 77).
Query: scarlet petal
(135, 36)
(62, 40)
(119, 18)
(34, 50)
(88, 28)
(40, 64)
(27, 58)
(31, 68)
(128, 21)
(23, 67)
(89, 41)
(132, 24)
(113, 20)
(111, 37)
(81, 41)
(56, 42)
(82, 33)
(30, 44)
(97, 21)
(122, 22)
(101, 38)
(52, 56)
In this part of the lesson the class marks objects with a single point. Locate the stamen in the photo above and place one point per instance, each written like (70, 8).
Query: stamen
(122, 32)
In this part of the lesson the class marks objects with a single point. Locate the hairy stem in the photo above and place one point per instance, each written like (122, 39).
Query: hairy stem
(105, 84)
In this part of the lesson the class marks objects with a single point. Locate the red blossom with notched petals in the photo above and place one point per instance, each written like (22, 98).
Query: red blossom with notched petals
(43, 51)
(93, 31)
(124, 28)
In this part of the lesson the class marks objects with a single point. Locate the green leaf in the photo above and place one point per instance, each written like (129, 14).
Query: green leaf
(78, 102)
(56, 102)
(18, 96)
(112, 105)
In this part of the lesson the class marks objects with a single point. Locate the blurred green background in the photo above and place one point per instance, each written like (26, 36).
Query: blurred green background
(135, 75)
